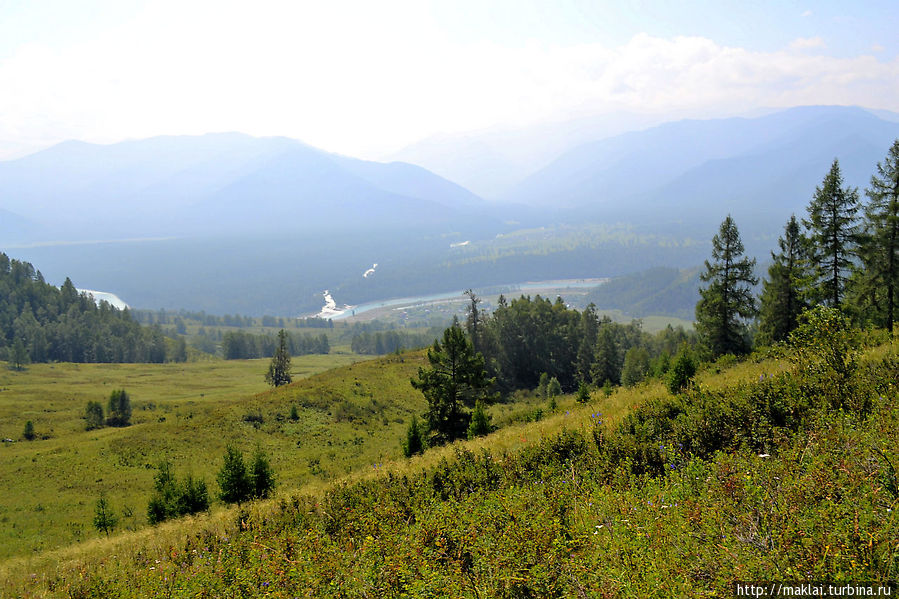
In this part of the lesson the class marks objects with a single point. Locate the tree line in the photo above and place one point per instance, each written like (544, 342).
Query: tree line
(239, 345)
(42, 323)
(844, 255)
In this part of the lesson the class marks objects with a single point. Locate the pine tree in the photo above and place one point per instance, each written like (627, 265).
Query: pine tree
(279, 370)
(880, 250)
(235, 483)
(583, 393)
(28, 431)
(262, 475)
(785, 290)
(414, 443)
(480, 422)
(455, 380)
(636, 366)
(833, 231)
(728, 299)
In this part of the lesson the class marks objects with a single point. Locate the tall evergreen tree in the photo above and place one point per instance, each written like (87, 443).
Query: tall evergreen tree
(880, 250)
(456, 380)
(279, 370)
(118, 409)
(473, 321)
(236, 484)
(727, 301)
(833, 231)
(785, 290)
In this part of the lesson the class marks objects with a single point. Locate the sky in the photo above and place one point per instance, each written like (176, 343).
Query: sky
(367, 78)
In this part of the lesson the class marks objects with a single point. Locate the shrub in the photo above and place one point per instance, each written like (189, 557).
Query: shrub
(28, 432)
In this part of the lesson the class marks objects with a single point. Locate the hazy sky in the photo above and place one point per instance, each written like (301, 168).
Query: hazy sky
(366, 78)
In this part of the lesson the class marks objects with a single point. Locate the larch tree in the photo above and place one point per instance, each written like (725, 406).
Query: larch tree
(728, 300)
(879, 252)
(833, 232)
(784, 293)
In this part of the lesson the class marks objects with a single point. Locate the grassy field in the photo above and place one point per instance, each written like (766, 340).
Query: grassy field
(185, 413)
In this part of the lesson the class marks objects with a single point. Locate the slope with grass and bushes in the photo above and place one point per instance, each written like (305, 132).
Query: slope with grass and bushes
(777, 468)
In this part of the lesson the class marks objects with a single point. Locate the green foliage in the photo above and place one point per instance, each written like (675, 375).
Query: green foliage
(262, 475)
(241, 345)
(28, 431)
(415, 439)
(728, 299)
(681, 372)
(118, 409)
(785, 290)
(553, 388)
(456, 380)
(294, 414)
(235, 482)
(833, 230)
(18, 357)
(542, 385)
(43, 323)
(172, 498)
(636, 366)
(583, 393)
(279, 369)
(104, 517)
(93, 415)
(876, 283)
(825, 350)
(607, 388)
(480, 422)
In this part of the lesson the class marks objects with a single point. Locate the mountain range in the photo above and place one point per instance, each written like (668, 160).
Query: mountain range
(218, 183)
(262, 225)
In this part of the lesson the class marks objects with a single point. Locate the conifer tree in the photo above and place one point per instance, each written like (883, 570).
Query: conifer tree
(727, 300)
(104, 517)
(262, 475)
(455, 380)
(235, 483)
(119, 408)
(414, 442)
(879, 251)
(833, 232)
(279, 370)
(786, 288)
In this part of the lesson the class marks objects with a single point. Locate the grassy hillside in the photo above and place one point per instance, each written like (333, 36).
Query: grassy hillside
(185, 413)
(752, 475)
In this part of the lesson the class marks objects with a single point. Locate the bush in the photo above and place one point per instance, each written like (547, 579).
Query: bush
(28, 433)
